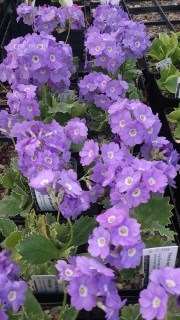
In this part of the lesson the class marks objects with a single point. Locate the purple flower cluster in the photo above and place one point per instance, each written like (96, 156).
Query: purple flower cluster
(121, 37)
(38, 57)
(90, 283)
(165, 283)
(23, 100)
(133, 121)
(131, 180)
(117, 240)
(101, 89)
(48, 18)
(44, 151)
(11, 289)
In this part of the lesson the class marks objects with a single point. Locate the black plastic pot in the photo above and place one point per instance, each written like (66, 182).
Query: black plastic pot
(160, 102)
(75, 40)
(167, 131)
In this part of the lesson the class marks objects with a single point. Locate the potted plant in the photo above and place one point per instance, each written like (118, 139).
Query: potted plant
(47, 126)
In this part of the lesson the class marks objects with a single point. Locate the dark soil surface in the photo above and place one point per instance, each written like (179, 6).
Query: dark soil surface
(147, 17)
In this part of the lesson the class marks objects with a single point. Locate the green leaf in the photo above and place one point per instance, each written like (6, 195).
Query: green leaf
(106, 203)
(77, 147)
(153, 241)
(171, 83)
(93, 126)
(177, 133)
(14, 164)
(8, 181)
(7, 226)
(9, 207)
(82, 228)
(62, 107)
(68, 313)
(36, 249)
(164, 37)
(62, 118)
(127, 274)
(174, 115)
(32, 306)
(48, 120)
(49, 99)
(79, 111)
(131, 312)
(162, 230)
(157, 209)
(43, 110)
(50, 219)
(13, 239)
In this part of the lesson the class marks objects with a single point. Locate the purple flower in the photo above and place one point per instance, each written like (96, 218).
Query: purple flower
(153, 302)
(76, 130)
(89, 152)
(111, 217)
(67, 271)
(99, 242)
(127, 233)
(92, 267)
(131, 256)
(127, 178)
(69, 182)
(82, 291)
(14, 292)
(168, 278)
(133, 134)
(43, 180)
(114, 258)
(155, 180)
(138, 194)
(3, 315)
(111, 153)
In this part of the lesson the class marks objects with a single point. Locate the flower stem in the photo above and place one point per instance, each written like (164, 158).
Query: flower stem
(63, 306)
(4, 87)
(13, 142)
(70, 240)
(58, 216)
(68, 35)
(76, 314)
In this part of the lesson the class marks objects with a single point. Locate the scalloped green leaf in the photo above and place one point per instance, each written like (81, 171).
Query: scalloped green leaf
(32, 307)
(82, 228)
(36, 249)
(13, 239)
(7, 226)
(9, 207)
(153, 241)
(50, 219)
(131, 312)
(157, 210)
(79, 111)
(8, 181)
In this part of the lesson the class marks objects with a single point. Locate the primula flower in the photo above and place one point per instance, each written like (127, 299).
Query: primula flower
(69, 182)
(76, 130)
(66, 271)
(3, 315)
(92, 267)
(43, 180)
(131, 256)
(14, 293)
(111, 153)
(155, 180)
(111, 217)
(82, 291)
(168, 278)
(153, 302)
(99, 242)
(127, 233)
(109, 290)
(89, 152)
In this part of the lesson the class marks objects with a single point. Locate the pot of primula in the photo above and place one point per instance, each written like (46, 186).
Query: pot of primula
(66, 23)
(46, 129)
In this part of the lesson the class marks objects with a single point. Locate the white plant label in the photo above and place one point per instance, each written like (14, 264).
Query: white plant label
(177, 94)
(163, 64)
(67, 94)
(157, 258)
(43, 202)
(46, 283)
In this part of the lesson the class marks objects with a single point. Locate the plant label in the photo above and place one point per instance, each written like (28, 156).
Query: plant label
(67, 94)
(46, 283)
(43, 202)
(177, 94)
(157, 258)
(163, 64)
